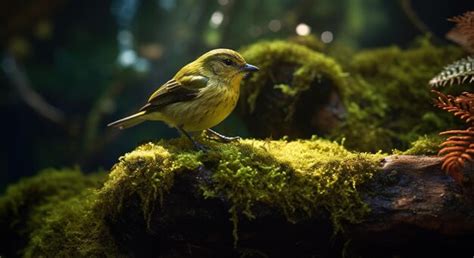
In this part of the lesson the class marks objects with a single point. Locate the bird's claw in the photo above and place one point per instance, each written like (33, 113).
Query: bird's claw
(230, 139)
(200, 147)
(213, 135)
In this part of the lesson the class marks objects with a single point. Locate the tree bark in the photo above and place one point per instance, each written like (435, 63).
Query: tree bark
(417, 209)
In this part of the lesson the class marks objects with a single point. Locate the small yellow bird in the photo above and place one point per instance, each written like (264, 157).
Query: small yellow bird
(201, 95)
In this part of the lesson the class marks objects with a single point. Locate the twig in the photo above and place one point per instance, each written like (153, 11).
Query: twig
(415, 19)
(21, 83)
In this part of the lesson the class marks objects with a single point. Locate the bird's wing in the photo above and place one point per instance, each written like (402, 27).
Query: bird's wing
(187, 88)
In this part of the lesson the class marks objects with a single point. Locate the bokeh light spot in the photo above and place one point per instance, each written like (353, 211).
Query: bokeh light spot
(125, 38)
(327, 37)
(223, 2)
(216, 19)
(274, 25)
(303, 29)
(127, 57)
(141, 65)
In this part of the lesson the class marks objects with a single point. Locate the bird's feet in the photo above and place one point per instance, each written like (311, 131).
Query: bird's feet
(213, 135)
(197, 145)
(200, 147)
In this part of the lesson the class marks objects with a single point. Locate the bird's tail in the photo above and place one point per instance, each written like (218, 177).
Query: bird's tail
(128, 121)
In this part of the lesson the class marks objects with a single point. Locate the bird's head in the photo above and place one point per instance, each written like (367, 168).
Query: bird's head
(224, 64)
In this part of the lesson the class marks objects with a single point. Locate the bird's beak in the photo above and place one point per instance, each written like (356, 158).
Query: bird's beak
(250, 68)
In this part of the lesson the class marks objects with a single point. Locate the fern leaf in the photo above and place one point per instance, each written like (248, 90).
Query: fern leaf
(456, 151)
(463, 32)
(458, 72)
(459, 147)
(461, 106)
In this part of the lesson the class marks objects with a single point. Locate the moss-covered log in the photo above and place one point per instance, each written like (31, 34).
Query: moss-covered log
(258, 198)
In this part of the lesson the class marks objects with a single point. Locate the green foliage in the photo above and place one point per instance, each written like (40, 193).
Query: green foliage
(389, 104)
(424, 145)
(301, 65)
(293, 83)
(73, 228)
(386, 97)
(147, 172)
(297, 179)
(309, 41)
(25, 204)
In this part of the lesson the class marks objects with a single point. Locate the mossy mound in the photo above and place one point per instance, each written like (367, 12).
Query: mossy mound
(389, 103)
(131, 213)
(383, 102)
(424, 145)
(309, 41)
(296, 178)
(25, 205)
(73, 227)
(296, 93)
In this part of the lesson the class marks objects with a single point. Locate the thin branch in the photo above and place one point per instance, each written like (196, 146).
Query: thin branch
(414, 18)
(19, 80)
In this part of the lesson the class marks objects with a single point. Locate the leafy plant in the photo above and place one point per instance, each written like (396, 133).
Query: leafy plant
(461, 71)
(458, 148)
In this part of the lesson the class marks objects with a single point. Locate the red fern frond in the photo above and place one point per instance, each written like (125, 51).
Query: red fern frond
(461, 106)
(456, 151)
(463, 32)
(459, 147)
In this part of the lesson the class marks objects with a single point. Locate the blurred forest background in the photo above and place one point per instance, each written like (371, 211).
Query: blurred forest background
(69, 67)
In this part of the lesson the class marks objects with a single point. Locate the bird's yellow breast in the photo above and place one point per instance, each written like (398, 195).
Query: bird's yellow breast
(213, 104)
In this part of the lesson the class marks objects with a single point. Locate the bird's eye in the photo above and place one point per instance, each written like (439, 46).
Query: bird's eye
(228, 61)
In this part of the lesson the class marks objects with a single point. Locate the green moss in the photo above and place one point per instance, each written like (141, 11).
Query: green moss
(310, 41)
(298, 179)
(291, 77)
(147, 172)
(308, 67)
(424, 145)
(386, 99)
(25, 204)
(389, 102)
(73, 228)
(286, 89)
